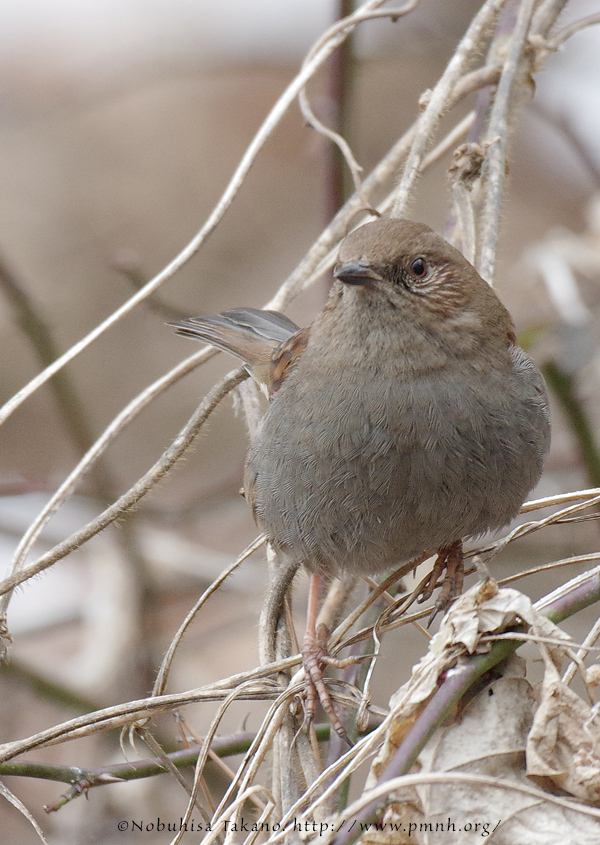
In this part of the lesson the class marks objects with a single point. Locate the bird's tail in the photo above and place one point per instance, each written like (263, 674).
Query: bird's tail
(248, 333)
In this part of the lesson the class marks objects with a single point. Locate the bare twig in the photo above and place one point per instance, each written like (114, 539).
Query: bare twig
(143, 486)
(140, 709)
(559, 39)
(496, 138)
(292, 756)
(361, 809)
(165, 666)
(319, 55)
(582, 591)
(546, 16)
(321, 256)
(440, 98)
(318, 125)
(592, 637)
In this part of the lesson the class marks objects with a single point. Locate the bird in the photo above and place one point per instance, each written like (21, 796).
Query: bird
(404, 420)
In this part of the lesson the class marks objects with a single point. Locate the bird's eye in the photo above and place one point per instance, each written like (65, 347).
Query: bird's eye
(419, 267)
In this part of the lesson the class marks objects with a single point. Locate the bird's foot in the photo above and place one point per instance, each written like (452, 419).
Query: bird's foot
(314, 657)
(449, 558)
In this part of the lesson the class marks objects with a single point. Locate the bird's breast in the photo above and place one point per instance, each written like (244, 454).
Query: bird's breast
(363, 469)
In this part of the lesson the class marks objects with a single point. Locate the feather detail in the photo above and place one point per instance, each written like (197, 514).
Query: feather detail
(252, 335)
(285, 357)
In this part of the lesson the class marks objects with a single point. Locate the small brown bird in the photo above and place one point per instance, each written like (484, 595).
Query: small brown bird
(403, 420)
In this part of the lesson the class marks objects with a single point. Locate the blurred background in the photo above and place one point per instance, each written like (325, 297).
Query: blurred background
(120, 126)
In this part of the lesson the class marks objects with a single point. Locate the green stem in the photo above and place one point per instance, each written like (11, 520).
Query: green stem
(563, 387)
(57, 693)
(83, 779)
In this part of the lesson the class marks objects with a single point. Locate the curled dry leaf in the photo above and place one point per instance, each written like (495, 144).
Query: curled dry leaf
(564, 741)
(482, 610)
(491, 737)
(592, 675)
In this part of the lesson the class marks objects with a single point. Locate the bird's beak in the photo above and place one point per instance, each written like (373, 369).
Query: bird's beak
(356, 273)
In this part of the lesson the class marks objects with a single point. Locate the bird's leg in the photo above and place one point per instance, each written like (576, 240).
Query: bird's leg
(314, 656)
(454, 577)
(313, 653)
(449, 558)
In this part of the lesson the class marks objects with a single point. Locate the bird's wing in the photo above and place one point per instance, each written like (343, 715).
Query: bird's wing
(272, 325)
(285, 357)
(263, 340)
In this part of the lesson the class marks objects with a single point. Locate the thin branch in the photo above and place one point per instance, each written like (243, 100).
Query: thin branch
(559, 39)
(18, 805)
(341, 74)
(341, 143)
(153, 745)
(335, 137)
(555, 564)
(368, 11)
(75, 419)
(142, 486)
(165, 666)
(546, 16)
(440, 98)
(272, 120)
(225, 746)
(361, 810)
(203, 757)
(592, 637)
(581, 592)
(124, 714)
(40, 338)
(561, 499)
(495, 141)
(128, 267)
(257, 751)
(321, 256)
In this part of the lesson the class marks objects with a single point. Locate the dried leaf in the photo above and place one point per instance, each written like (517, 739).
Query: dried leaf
(482, 610)
(490, 739)
(564, 742)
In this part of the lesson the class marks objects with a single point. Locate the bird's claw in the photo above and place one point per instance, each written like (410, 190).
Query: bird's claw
(314, 656)
(449, 558)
